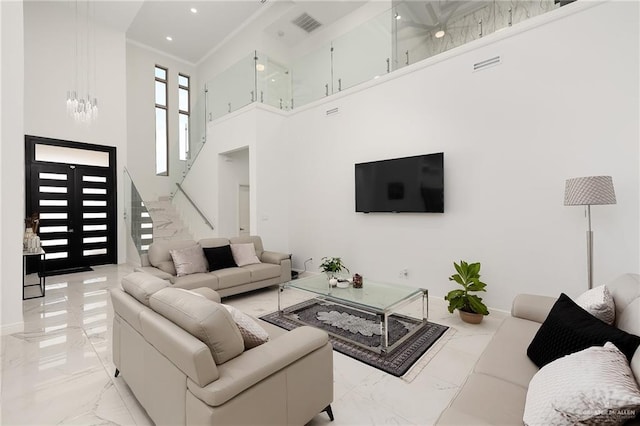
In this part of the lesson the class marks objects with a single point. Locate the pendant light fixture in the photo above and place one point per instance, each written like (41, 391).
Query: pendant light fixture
(82, 106)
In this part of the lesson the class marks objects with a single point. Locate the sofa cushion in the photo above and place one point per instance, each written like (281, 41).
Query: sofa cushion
(196, 280)
(263, 271)
(189, 260)
(160, 257)
(599, 303)
(214, 242)
(244, 254)
(142, 286)
(625, 289)
(219, 257)
(569, 328)
(506, 355)
(593, 386)
(486, 400)
(252, 334)
(202, 318)
(232, 277)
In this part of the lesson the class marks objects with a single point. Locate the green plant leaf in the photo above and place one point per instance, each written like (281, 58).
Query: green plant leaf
(474, 270)
(458, 267)
(476, 285)
(476, 305)
(457, 278)
(456, 299)
(454, 294)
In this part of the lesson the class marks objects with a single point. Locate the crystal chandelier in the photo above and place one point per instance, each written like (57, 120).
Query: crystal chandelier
(81, 105)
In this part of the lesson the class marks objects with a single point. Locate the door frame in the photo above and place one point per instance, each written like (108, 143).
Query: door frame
(30, 144)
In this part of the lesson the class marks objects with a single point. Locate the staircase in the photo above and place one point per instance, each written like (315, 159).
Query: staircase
(167, 224)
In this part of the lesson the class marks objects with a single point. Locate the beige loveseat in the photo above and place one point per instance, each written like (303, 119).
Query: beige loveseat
(180, 380)
(495, 392)
(275, 268)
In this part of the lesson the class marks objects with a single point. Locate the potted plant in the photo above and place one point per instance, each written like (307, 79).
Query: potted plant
(331, 266)
(470, 306)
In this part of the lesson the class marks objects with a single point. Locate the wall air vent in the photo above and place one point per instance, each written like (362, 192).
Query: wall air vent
(487, 63)
(332, 111)
(306, 22)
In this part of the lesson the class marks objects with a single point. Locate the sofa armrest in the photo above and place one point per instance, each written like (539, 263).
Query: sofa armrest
(274, 257)
(532, 307)
(155, 272)
(257, 364)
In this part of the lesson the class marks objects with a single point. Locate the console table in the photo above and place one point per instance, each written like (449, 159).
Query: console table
(40, 274)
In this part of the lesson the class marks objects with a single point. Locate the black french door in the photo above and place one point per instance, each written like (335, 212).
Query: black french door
(77, 208)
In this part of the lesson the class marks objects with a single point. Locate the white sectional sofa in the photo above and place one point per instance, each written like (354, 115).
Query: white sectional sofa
(274, 268)
(496, 391)
(181, 378)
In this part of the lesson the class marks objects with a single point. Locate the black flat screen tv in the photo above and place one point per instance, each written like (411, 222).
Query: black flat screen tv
(401, 185)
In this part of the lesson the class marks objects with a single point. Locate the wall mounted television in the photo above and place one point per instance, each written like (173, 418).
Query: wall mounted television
(401, 185)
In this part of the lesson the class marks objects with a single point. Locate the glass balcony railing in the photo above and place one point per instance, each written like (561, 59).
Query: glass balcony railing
(409, 32)
(136, 215)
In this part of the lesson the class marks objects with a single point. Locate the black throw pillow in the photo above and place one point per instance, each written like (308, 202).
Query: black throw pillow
(569, 329)
(219, 257)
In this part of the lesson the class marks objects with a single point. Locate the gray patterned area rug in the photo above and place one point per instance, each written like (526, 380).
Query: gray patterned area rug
(344, 323)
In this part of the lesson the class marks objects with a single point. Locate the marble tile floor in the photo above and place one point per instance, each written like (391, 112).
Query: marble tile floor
(58, 370)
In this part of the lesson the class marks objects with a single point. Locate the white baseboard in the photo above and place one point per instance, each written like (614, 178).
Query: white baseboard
(12, 328)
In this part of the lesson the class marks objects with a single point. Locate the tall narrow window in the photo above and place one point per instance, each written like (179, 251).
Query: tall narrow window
(162, 127)
(183, 115)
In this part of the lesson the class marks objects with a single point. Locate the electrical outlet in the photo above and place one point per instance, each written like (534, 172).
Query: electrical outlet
(404, 273)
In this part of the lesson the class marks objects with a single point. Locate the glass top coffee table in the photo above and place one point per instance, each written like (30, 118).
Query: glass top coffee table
(374, 298)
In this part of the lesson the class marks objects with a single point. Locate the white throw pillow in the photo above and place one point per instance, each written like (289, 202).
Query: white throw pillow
(244, 254)
(593, 386)
(189, 260)
(599, 303)
(252, 333)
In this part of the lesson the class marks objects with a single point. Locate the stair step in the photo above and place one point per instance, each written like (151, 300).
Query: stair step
(167, 223)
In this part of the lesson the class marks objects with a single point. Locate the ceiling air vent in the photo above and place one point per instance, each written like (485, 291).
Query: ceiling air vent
(478, 66)
(306, 22)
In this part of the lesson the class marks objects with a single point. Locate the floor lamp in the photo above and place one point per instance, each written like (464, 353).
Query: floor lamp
(588, 191)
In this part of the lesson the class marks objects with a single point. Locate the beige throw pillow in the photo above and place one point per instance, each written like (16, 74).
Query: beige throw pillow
(189, 260)
(599, 303)
(593, 386)
(252, 334)
(244, 254)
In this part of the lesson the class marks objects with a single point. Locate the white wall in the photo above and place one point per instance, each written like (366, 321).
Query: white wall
(11, 163)
(511, 136)
(270, 190)
(49, 31)
(140, 94)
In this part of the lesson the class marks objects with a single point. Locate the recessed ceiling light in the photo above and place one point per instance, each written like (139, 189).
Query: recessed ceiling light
(398, 16)
(193, 10)
(439, 34)
(169, 38)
